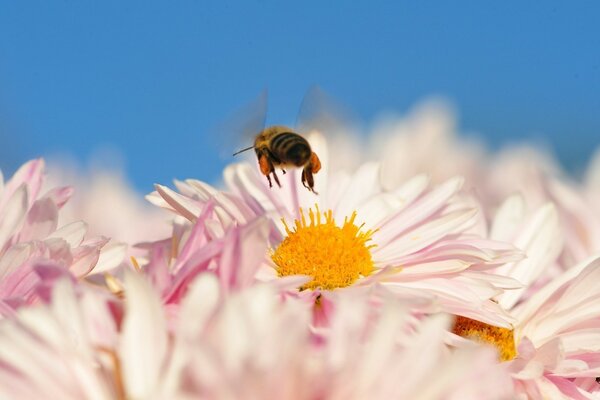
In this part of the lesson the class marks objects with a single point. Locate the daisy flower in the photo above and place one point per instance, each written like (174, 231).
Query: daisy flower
(417, 240)
(553, 347)
(536, 177)
(33, 249)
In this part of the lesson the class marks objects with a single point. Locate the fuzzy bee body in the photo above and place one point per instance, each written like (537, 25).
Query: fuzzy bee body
(279, 146)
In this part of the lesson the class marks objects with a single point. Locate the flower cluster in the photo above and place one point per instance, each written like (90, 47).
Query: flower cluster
(430, 271)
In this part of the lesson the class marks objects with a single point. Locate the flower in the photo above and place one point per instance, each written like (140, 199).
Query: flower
(109, 205)
(33, 250)
(557, 319)
(248, 345)
(423, 240)
(425, 141)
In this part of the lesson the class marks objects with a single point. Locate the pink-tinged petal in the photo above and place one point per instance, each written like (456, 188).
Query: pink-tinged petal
(143, 344)
(508, 218)
(185, 206)
(100, 323)
(197, 308)
(60, 195)
(48, 274)
(197, 263)
(432, 268)
(245, 182)
(67, 311)
(422, 236)
(460, 298)
(197, 237)
(545, 295)
(578, 303)
(423, 348)
(197, 188)
(355, 195)
(59, 251)
(157, 200)
(412, 189)
(29, 175)
(581, 341)
(498, 281)
(541, 241)
(86, 257)
(421, 209)
(198, 305)
(13, 214)
(111, 256)
(565, 388)
(41, 220)
(14, 257)
(72, 233)
(243, 252)
(20, 282)
(231, 205)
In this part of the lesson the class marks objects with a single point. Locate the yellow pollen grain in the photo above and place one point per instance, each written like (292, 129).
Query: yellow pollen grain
(501, 338)
(135, 263)
(334, 256)
(113, 285)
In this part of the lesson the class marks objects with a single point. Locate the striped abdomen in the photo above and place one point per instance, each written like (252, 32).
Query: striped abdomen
(290, 148)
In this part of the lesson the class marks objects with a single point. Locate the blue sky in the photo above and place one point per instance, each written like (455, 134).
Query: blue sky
(150, 79)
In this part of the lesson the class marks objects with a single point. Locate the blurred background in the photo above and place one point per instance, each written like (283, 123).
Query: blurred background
(138, 86)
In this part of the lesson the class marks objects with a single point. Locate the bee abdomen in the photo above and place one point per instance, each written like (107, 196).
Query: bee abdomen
(291, 148)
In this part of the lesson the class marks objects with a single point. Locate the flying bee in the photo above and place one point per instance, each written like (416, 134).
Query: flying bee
(279, 146)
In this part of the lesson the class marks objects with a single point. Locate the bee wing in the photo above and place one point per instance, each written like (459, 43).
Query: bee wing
(319, 112)
(329, 125)
(240, 129)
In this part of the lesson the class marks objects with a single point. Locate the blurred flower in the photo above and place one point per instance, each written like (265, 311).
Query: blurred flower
(425, 142)
(538, 179)
(247, 345)
(109, 205)
(33, 250)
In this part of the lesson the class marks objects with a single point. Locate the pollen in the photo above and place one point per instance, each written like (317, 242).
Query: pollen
(501, 338)
(334, 256)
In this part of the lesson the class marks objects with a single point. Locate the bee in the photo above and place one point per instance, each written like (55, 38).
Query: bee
(279, 146)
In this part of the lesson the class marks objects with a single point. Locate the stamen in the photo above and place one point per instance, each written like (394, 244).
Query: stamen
(135, 263)
(501, 338)
(334, 256)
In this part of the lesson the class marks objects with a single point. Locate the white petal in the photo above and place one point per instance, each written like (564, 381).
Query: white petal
(13, 214)
(422, 236)
(72, 233)
(541, 241)
(508, 218)
(183, 205)
(143, 343)
(111, 257)
(419, 211)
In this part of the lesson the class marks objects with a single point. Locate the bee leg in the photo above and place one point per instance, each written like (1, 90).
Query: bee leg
(315, 163)
(266, 168)
(276, 178)
(308, 180)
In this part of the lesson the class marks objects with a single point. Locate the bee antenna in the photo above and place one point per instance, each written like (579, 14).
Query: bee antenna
(243, 150)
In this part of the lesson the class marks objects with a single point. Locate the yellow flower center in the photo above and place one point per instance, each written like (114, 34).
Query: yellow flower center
(501, 338)
(333, 256)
